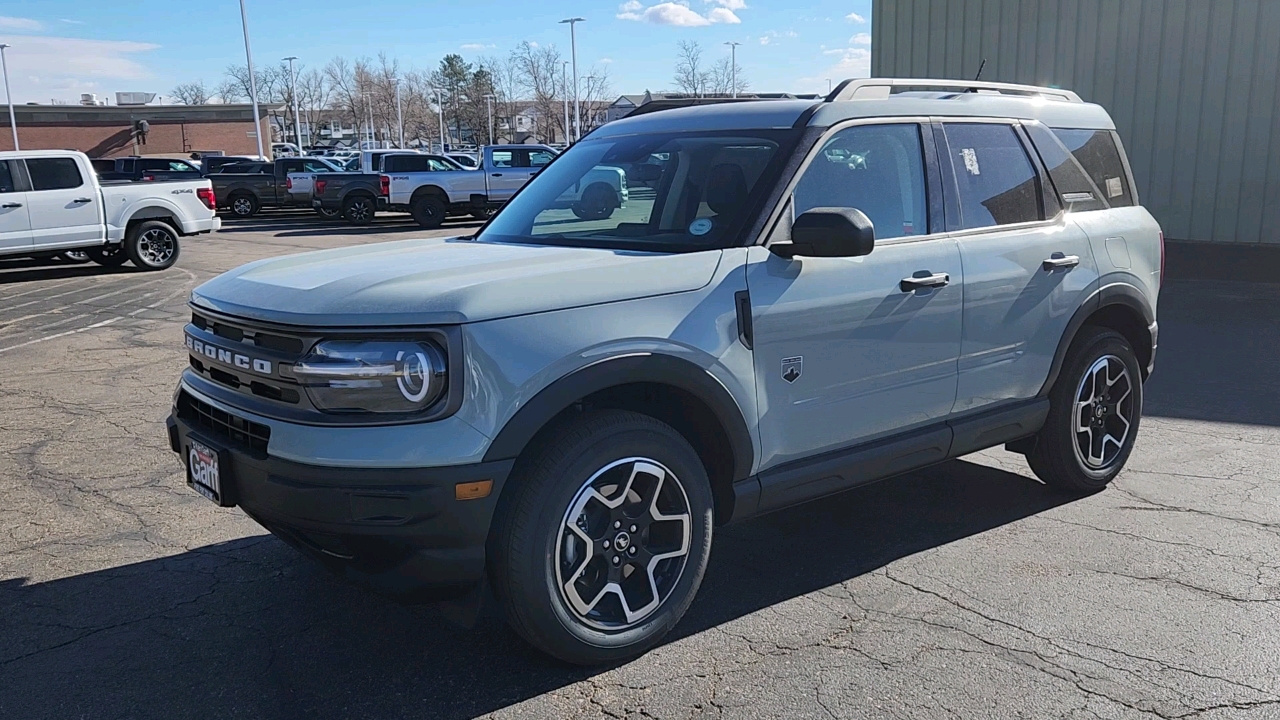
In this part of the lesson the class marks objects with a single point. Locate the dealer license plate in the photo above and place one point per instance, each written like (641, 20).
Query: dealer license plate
(203, 474)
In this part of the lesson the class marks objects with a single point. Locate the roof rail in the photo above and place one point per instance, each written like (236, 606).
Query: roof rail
(880, 88)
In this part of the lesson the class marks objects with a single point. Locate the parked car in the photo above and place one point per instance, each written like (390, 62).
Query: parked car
(145, 169)
(52, 202)
(466, 160)
(246, 188)
(213, 163)
(356, 193)
(813, 296)
(430, 196)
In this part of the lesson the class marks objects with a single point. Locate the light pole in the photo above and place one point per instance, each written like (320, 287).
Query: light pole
(573, 53)
(293, 91)
(733, 67)
(488, 101)
(564, 83)
(253, 83)
(8, 96)
(588, 91)
(399, 114)
(369, 105)
(440, 116)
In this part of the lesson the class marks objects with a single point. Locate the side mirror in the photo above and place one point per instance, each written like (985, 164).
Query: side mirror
(829, 232)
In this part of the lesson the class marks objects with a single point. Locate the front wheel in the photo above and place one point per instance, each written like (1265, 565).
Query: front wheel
(428, 211)
(600, 547)
(598, 203)
(1094, 411)
(359, 210)
(108, 255)
(244, 206)
(152, 245)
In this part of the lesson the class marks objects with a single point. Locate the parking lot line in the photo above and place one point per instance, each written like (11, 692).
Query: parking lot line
(94, 326)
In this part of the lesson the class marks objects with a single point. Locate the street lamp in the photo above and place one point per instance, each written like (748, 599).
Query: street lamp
(488, 101)
(733, 67)
(253, 83)
(369, 106)
(573, 53)
(564, 83)
(293, 91)
(399, 114)
(440, 116)
(8, 96)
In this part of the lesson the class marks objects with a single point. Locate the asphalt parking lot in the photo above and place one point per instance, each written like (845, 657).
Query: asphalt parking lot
(965, 590)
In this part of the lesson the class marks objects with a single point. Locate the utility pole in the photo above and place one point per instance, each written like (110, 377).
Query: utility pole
(293, 91)
(488, 101)
(733, 67)
(253, 82)
(399, 114)
(573, 53)
(564, 83)
(8, 96)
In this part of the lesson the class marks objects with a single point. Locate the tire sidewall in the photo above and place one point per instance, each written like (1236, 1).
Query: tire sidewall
(1107, 343)
(428, 211)
(133, 250)
(348, 210)
(250, 210)
(550, 611)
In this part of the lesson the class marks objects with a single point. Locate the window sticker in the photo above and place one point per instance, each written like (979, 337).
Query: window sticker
(701, 226)
(1114, 188)
(971, 161)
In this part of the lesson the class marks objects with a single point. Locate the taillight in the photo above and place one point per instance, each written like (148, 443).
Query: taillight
(207, 197)
(319, 186)
(385, 182)
(288, 183)
(1161, 258)
(148, 178)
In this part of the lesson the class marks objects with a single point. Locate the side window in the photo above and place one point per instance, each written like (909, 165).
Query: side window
(878, 169)
(997, 183)
(503, 158)
(54, 173)
(1097, 153)
(1077, 191)
(438, 165)
(6, 178)
(315, 167)
(540, 158)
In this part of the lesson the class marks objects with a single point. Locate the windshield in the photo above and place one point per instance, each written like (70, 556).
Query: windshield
(669, 192)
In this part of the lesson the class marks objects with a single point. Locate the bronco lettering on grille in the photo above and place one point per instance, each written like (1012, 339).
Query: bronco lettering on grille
(222, 355)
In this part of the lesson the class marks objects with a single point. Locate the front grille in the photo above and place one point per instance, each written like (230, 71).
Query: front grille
(279, 343)
(224, 425)
(280, 349)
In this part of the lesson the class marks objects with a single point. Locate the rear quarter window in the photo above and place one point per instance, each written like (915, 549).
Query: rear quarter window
(1097, 153)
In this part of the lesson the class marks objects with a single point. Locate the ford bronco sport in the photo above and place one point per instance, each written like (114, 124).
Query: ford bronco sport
(797, 298)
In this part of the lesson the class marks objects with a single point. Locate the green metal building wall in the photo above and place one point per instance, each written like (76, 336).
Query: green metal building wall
(1192, 86)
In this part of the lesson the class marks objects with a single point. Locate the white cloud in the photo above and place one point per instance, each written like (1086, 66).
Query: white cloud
(729, 4)
(477, 46)
(764, 40)
(853, 63)
(71, 22)
(772, 35)
(854, 17)
(19, 24)
(860, 39)
(44, 67)
(606, 61)
(679, 14)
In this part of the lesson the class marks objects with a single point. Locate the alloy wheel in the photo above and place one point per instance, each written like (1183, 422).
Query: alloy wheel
(1104, 412)
(623, 544)
(242, 207)
(156, 246)
(359, 211)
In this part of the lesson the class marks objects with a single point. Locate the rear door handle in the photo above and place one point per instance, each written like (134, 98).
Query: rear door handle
(82, 200)
(497, 174)
(11, 205)
(1058, 261)
(924, 279)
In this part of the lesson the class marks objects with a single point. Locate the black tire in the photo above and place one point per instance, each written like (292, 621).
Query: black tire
(1098, 359)
(108, 255)
(428, 211)
(152, 245)
(73, 257)
(328, 213)
(359, 210)
(243, 205)
(598, 203)
(532, 545)
(483, 214)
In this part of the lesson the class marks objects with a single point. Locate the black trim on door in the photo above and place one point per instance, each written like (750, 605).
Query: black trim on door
(950, 189)
(933, 179)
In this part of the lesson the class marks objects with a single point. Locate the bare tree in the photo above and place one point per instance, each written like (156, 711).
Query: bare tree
(190, 93)
(691, 77)
(505, 82)
(597, 94)
(722, 76)
(538, 74)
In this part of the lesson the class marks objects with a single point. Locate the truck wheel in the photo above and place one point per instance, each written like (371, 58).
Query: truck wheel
(429, 211)
(483, 214)
(243, 206)
(1094, 410)
(152, 245)
(359, 210)
(598, 203)
(108, 255)
(73, 256)
(602, 538)
(328, 213)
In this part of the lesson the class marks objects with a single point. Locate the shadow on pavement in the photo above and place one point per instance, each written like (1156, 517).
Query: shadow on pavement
(29, 270)
(1219, 345)
(249, 629)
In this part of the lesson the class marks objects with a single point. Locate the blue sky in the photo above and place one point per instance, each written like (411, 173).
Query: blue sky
(62, 48)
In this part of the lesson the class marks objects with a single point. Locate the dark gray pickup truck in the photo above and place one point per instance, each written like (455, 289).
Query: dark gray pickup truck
(246, 188)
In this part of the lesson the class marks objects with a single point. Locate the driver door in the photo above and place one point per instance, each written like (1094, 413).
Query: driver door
(845, 351)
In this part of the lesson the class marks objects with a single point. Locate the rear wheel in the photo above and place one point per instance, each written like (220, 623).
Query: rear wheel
(1094, 411)
(243, 206)
(428, 211)
(598, 203)
(152, 245)
(359, 210)
(602, 543)
(108, 255)
(483, 214)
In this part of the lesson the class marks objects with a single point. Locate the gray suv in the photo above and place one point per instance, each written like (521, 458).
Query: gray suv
(794, 299)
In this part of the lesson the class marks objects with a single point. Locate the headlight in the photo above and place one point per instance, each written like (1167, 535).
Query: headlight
(378, 377)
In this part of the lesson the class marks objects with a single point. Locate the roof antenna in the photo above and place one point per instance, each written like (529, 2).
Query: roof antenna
(978, 77)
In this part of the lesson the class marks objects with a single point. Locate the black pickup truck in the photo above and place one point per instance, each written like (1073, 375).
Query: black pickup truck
(246, 188)
(145, 169)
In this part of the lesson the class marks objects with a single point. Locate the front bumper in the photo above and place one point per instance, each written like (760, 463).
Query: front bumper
(397, 529)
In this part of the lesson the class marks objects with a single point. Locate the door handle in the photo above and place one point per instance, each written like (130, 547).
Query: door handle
(497, 174)
(924, 279)
(82, 200)
(1058, 261)
(11, 205)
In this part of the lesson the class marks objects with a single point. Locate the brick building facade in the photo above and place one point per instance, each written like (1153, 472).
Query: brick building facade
(103, 131)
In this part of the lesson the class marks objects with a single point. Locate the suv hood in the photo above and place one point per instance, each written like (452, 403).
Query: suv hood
(429, 282)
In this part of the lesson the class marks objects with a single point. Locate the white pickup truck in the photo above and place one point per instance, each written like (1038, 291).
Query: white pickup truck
(52, 202)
